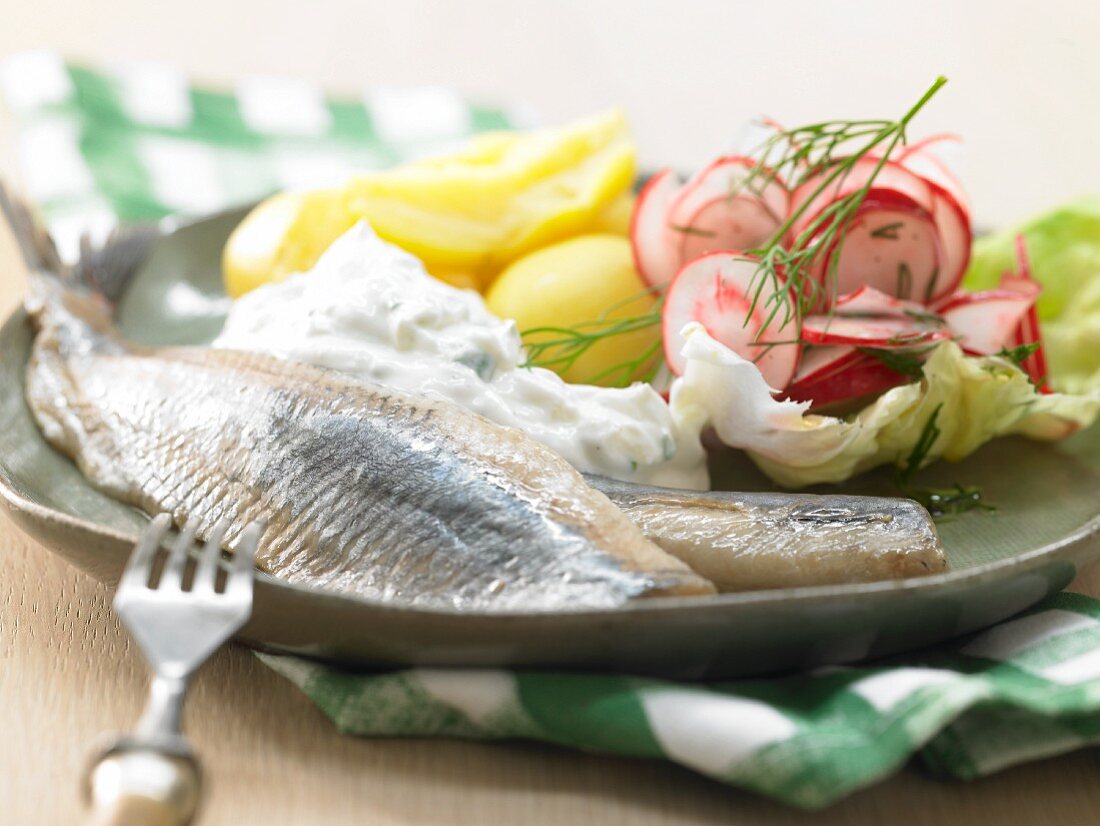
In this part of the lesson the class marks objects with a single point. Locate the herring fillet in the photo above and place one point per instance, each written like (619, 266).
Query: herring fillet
(755, 541)
(364, 490)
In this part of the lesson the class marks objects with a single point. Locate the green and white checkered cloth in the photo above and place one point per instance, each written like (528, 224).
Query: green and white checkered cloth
(102, 147)
(1026, 689)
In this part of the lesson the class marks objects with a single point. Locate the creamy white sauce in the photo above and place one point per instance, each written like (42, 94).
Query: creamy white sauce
(370, 309)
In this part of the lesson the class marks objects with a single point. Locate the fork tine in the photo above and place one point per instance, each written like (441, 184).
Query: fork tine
(207, 569)
(244, 560)
(172, 577)
(141, 559)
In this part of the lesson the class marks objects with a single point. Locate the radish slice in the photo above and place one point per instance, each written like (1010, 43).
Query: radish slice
(1029, 331)
(950, 211)
(859, 375)
(956, 237)
(890, 245)
(884, 332)
(717, 291)
(818, 363)
(987, 322)
(715, 210)
(935, 172)
(892, 177)
(926, 144)
(652, 240)
(893, 243)
(869, 301)
(927, 159)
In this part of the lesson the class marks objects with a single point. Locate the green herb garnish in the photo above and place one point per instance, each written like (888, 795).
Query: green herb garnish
(1018, 355)
(686, 230)
(888, 231)
(905, 281)
(939, 501)
(558, 348)
(907, 362)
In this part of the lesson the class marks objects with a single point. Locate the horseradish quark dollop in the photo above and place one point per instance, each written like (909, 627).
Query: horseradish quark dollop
(370, 309)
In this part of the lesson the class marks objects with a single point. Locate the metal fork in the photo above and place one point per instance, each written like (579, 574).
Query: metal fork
(151, 776)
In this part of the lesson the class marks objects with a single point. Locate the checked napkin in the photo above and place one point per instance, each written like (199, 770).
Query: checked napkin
(103, 147)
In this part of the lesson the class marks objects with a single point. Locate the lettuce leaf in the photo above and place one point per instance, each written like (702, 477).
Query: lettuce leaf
(981, 398)
(1064, 248)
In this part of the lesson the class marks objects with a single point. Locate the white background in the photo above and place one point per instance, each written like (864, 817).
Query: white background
(1024, 90)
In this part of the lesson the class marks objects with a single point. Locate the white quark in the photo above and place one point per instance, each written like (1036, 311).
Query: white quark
(370, 309)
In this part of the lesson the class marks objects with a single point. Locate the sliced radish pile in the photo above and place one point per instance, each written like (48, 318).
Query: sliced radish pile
(656, 256)
(717, 291)
(883, 332)
(719, 209)
(891, 280)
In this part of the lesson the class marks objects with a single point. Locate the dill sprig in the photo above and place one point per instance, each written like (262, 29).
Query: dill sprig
(940, 502)
(1018, 355)
(829, 150)
(908, 362)
(559, 348)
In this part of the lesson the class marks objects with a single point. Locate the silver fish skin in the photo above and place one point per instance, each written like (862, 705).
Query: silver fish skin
(755, 541)
(364, 490)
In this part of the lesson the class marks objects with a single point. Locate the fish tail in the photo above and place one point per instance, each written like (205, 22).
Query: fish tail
(35, 243)
(59, 297)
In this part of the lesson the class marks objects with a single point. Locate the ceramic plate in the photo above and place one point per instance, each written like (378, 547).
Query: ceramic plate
(1045, 527)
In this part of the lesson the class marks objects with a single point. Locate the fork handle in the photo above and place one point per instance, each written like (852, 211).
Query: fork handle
(135, 811)
(143, 787)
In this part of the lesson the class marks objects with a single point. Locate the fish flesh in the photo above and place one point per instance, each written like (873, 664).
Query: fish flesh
(363, 489)
(754, 541)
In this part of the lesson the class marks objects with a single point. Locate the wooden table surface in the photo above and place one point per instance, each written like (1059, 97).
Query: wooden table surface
(1022, 80)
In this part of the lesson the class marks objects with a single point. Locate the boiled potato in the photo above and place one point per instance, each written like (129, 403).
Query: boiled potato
(576, 281)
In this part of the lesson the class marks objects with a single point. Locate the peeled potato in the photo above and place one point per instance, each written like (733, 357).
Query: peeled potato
(574, 282)
(283, 235)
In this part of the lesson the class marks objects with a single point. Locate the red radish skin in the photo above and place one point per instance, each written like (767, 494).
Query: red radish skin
(1029, 331)
(716, 290)
(863, 375)
(956, 237)
(653, 242)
